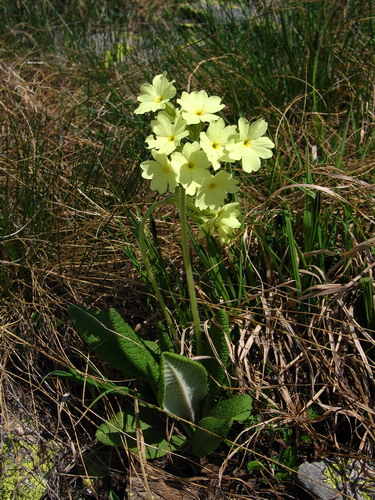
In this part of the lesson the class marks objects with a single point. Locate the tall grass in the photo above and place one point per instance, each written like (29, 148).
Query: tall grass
(298, 280)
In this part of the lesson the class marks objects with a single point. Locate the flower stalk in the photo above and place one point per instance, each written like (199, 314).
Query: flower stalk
(189, 272)
(150, 272)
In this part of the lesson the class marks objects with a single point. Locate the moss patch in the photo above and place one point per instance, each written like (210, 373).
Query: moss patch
(24, 469)
(348, 476)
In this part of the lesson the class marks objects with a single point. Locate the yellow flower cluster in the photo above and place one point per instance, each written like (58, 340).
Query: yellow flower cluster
(187, 155)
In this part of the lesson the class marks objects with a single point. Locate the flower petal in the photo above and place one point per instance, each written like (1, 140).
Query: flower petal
(257, 129)
(250, 161)
(263, 142)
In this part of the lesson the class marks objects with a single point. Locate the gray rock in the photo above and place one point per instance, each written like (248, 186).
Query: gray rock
(223, 13)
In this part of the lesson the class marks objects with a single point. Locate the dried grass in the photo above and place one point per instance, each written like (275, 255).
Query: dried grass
(291, 366)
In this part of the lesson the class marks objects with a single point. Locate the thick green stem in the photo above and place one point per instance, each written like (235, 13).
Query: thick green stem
(189, 272)
(150, 273)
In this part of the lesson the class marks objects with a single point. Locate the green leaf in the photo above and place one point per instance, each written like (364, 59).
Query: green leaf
(121, 430)
(95, 328)
(255, 465)
(219, 355)
(134, 349)
(114, 341)
(183, 384)
(206, 441)
(153, 348)
(237, 408)
(289, 457)
(113, 496)
(164, 339)
(311, 220)
(219, 422)
(293, 249)
(106, 387)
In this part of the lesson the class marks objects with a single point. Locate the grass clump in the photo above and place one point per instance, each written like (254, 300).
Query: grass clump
(298, 281)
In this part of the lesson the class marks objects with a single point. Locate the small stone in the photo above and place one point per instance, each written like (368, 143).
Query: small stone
(311, 476)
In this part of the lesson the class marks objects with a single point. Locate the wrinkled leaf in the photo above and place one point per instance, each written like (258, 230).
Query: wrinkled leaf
(121, 430)
(237, 408)
(134, 348)
(206, 441)
(183, 384)
(219, 422)
(95, 328)
(114, 341)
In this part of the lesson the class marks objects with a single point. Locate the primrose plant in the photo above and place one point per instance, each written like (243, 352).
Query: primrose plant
(193, 153)
(189, 146)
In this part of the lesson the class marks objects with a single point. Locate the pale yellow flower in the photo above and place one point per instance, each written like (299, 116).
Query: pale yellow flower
(161, 172)
(155, 96)
(168, 134)
(214, 140)
(198, 107)
(214, 189)
(249, 146)
(192, 166)
(224, 221)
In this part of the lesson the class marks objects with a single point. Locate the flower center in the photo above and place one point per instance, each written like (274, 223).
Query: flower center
(247, 143)
(190, 165)
(215, 145)
(212, 185)
(159, 99)
(171, 138)
(199, 112)
(165, 169)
